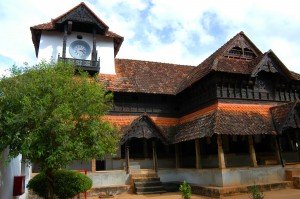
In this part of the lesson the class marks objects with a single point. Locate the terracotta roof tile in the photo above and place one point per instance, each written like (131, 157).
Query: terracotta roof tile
(145, 77)
(217, 62)
(230, 119)
(283, 116)
(220, 118)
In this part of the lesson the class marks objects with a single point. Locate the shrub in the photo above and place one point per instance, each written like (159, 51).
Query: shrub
(185, 190)
(38, 184)
(67, 184)
(255, 193)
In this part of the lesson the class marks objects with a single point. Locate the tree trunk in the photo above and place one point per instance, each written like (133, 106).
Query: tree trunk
(50, 182)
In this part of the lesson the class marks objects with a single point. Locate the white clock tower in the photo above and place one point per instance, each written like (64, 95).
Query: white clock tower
(78, 36)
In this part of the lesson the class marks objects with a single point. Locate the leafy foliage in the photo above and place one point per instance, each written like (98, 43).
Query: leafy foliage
(255, 193)
(185, 190)
(53, 117)
(67, 184)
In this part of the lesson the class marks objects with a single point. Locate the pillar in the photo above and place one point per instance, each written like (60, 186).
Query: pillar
(145, 148)
(94, 165)
(154, 156)
(252, 151)
(198, 156)
(127, 159)
(221, 156)
(177, 157)
(65, 41)
(278, 151)
(94, 53)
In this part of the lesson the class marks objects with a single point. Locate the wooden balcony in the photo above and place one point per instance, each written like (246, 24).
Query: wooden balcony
(91, 67)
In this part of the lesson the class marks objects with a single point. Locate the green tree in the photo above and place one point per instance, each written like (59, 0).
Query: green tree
(52, 117)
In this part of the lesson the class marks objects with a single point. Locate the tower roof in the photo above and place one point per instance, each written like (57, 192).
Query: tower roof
(84, 19)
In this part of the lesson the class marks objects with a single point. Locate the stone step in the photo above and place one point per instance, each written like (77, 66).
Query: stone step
(150, 192)
(291, 172)
(148, 184)
(149, 189)
(142, 171)
(150, 175)
(148, 179)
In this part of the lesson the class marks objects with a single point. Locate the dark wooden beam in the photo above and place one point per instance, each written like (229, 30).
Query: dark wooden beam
(70, 23)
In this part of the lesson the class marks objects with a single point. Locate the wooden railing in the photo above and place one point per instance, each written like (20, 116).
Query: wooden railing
(86, 65)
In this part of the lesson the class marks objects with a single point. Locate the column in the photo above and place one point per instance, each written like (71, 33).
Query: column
(94, 165)
(127, 159)
(221, 153)
(177, 157)
(154, 156)
(94, 53)
(198, 156)
(65, 41)
(252, 151)
(145, 148)
(278, 150)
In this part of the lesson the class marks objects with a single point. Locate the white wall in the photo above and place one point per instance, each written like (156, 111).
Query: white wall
(51, 44)
(7, 173)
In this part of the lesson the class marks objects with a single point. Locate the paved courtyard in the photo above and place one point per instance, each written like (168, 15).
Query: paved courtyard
(278, 194)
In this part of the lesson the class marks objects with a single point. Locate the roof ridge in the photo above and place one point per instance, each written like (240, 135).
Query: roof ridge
(205, 66)
(149, 61)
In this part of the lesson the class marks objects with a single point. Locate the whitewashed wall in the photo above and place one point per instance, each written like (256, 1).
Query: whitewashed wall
(51, 44)
(7, 173)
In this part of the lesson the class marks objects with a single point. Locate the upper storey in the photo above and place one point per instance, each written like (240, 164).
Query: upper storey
(80, 36)
(237, 57)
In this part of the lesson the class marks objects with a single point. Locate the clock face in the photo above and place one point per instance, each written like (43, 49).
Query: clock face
(79, 49)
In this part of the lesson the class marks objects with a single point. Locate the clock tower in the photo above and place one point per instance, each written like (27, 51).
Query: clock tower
(80, 37)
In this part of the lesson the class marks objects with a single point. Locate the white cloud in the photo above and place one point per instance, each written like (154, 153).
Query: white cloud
(175, 31)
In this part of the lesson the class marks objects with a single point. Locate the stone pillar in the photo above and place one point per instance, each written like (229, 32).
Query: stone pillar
(221, 153)
(177, 157)
(198, 156)
(94, 165)
(252, 151)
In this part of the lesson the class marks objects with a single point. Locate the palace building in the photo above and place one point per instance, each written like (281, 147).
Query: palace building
(231, 121)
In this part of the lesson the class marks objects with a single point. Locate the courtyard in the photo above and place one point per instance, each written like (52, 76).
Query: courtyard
(277, 194)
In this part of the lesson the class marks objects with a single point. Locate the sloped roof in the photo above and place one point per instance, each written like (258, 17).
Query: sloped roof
(229, 119)
(218, 61)
(81, 13)
(285, 116)
(142, 127)
(145, 76)
(269, 62)
(219, 118)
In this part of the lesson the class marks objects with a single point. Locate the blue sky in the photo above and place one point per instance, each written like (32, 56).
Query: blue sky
(172, 31)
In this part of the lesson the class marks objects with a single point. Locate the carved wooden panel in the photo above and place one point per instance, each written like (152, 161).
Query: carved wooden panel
(142, 128)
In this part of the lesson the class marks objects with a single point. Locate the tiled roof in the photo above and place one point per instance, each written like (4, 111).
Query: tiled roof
(142, 127)
(283, 116)
(145, 77)
(220, 118)
(230, 119)
(270, 63)
(217, 62)
(37, 30)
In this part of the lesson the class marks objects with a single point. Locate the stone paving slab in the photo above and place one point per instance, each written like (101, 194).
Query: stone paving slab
(277, 194)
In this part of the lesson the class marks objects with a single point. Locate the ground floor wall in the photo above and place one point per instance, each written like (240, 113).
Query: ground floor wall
(225, 177)
(202, 177)
(7, 172)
